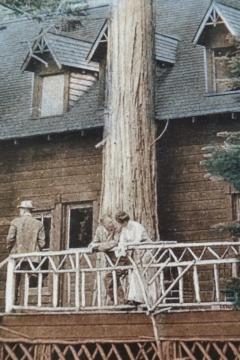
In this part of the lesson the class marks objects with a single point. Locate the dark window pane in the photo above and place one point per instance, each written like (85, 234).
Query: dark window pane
(81, 220)
(47, 228)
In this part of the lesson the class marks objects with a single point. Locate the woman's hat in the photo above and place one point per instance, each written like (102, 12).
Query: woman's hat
(122, 216)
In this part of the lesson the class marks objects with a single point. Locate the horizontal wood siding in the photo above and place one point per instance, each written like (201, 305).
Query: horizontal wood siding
(78, 327)
(189, 204)
(52, 174)
(205, 325)
(202, 325)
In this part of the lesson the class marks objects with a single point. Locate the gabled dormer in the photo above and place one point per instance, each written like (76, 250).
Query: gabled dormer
(219, 34)
(61, 73)
(99, 46)
(165, 47)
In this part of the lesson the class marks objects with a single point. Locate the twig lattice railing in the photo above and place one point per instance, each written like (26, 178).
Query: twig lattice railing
(163, 275)
(141, 350)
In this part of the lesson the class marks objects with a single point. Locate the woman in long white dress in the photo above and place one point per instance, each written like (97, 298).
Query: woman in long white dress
(132, 232)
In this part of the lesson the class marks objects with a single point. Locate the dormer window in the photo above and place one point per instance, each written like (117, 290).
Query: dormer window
(220, 76)
(219, 33)
(165, 47)
(52, 95)
(61, 73)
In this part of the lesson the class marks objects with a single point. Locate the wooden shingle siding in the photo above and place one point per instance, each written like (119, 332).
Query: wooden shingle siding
(52, 174)
(189, 204)
(79, 84)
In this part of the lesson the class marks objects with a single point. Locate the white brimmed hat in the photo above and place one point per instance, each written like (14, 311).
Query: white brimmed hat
(26, 204)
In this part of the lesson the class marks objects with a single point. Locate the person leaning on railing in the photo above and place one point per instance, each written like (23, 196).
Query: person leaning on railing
(132, 232)
(25, 235)
(106, 239)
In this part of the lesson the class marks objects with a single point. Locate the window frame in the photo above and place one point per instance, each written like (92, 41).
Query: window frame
(38, 90)
(211, 80)
(80, 205)
(55, 85)
(235, 199)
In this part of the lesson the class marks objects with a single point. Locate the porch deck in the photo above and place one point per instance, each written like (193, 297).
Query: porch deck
(186, 313)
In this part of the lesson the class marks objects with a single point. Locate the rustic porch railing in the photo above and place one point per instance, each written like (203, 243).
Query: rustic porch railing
(164, 275)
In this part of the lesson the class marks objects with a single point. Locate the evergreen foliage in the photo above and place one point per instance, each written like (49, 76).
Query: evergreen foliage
(232, 291)
(223, 163)
(234, 65)
(37, 9)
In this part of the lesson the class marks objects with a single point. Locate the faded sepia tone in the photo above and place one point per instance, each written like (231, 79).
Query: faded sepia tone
(110, 112)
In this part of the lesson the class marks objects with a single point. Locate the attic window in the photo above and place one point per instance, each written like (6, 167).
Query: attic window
(52, 99)
(221, 76)
(218, 32)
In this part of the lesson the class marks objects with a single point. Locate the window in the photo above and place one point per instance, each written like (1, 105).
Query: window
(236, 206)
(223, 79)
(52, 100)
(80, 219)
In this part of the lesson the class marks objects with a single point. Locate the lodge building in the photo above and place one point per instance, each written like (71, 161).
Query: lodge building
(52, 102)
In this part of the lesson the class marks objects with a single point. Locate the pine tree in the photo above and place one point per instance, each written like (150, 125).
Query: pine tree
(222, 162)
(38, 9)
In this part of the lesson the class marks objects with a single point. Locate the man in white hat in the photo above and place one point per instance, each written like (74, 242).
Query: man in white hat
(25, 235)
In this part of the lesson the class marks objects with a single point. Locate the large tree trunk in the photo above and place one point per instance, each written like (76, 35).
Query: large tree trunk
(129, 162)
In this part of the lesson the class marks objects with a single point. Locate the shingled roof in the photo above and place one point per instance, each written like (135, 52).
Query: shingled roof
(64, 49)
(180, 89)
(16, 86)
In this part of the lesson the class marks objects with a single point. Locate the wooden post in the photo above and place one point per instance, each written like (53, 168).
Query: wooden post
(196, 284)
(77, 282)
(10, 286)
(99, 297)
(235, 270)
(162, 284)
(55, 290)
(39, 300)
(181, 289)
(115, 295)
(26, 289)
(83, 287)
(216, 281)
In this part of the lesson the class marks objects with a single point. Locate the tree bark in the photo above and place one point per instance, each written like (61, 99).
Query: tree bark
(129, 159)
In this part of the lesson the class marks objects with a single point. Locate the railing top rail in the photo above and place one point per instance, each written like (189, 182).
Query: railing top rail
(142, 246)
(174, 244)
